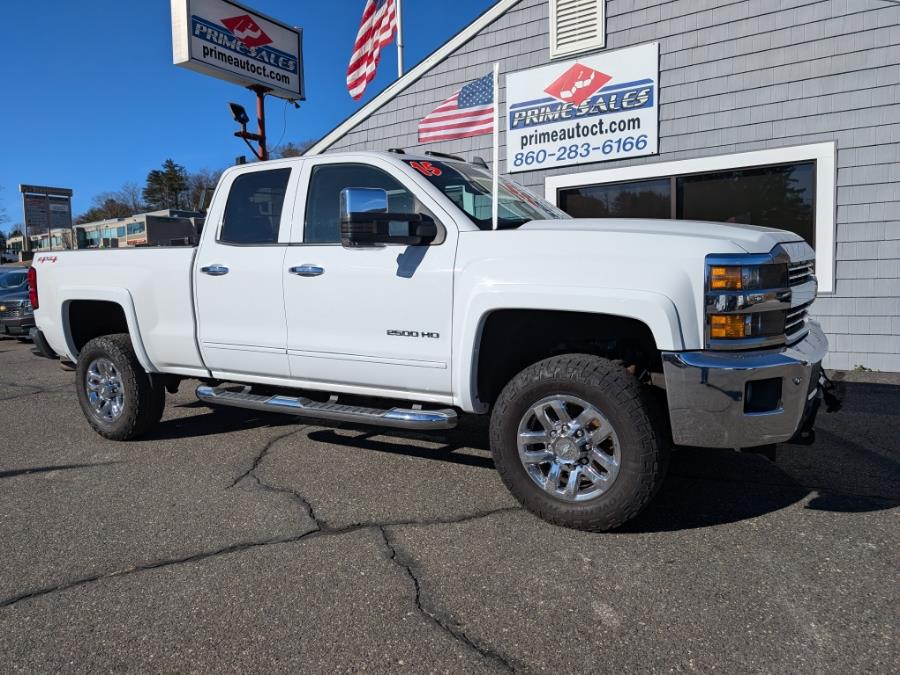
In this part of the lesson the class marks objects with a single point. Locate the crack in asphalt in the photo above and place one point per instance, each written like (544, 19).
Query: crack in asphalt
(239, 547)
(443, 623)
(27, 471)
(36, 389)
(320, 528)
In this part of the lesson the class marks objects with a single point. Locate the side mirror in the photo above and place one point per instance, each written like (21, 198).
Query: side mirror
(365, 221)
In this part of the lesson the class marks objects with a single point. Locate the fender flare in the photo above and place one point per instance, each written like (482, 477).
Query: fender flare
(655, 310)
(118, 296)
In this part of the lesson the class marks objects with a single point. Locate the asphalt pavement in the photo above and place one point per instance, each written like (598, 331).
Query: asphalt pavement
(231, 540)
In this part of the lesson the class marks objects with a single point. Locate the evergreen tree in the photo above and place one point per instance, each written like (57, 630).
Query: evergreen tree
(165, 188)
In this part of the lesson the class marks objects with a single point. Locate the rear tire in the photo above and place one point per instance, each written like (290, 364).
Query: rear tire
(575, 440)
(120, 400)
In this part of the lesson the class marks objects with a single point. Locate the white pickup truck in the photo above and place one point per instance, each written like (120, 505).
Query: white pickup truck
(322, 283)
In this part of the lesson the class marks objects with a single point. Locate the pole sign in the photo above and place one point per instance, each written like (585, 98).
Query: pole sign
(46, 208)
(234, 43)
(592, 109)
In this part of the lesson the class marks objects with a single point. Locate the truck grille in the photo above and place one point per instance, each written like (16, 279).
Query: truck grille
(800, 272)
(13, 312)
(795, 321)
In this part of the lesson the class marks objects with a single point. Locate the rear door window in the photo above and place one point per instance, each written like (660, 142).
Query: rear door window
(253, 209)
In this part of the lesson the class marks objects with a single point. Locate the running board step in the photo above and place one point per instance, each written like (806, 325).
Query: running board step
(402, 418)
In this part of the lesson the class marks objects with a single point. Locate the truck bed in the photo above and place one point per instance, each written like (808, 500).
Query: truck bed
(154, 287)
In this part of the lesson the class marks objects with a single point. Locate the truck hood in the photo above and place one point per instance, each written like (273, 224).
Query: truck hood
(751, 238)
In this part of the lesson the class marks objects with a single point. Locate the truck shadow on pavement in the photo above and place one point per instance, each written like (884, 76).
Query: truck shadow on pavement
(853, 467)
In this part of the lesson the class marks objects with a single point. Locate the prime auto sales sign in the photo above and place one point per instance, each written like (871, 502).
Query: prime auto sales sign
(234, 43)
(592, 109)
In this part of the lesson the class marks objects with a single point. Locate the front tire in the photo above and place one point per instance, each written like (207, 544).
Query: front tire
(119, 398)
(574, 440)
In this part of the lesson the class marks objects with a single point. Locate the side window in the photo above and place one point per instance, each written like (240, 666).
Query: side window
(323, 203)
(253, 210)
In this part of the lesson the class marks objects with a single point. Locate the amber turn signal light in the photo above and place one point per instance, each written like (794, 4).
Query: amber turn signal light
(727, 326)
(722, 278)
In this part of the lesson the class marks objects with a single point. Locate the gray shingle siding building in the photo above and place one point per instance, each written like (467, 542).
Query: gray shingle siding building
(749, 81)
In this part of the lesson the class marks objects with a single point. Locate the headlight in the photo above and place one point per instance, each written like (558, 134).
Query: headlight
(742, 326)
(747, 277)
(747, 296)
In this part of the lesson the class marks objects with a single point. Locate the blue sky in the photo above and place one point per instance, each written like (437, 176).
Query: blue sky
(91, 98)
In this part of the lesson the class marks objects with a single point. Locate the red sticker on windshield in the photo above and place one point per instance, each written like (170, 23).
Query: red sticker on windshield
(426, 168)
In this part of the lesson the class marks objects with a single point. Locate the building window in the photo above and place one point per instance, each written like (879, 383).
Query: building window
(576, 26)
(253, 209)
(781, 196)
(635, 199)
(790, 188)
(136, 228)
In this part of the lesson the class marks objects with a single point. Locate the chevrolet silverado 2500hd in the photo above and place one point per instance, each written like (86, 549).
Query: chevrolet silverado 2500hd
(322, 283)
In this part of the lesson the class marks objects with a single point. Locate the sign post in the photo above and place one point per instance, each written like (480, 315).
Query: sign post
(232, 42)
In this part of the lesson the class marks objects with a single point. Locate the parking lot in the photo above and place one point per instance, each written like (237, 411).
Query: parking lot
(233, 540)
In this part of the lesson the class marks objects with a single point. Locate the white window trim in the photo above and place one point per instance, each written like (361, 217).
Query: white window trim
(824, 155)
(598, 42)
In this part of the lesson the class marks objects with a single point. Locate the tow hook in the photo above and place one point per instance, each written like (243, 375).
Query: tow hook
(830, 393)
(831, 396)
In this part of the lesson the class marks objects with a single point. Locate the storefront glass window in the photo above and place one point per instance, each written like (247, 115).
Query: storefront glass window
(772, 196)
(635, 199)
(781, 196)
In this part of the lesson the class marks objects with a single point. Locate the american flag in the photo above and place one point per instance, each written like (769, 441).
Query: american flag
(379, 21)
(469, 112)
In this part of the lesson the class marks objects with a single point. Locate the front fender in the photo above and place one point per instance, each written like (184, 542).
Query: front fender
(655, 310)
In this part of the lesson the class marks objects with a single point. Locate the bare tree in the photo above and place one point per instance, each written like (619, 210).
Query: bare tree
(3, 217)
(291, 149)
(130, 195)
(200, 186)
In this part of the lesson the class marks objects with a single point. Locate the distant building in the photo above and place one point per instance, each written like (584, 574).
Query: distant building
(158, 228)
(59, 239)
(15, 244)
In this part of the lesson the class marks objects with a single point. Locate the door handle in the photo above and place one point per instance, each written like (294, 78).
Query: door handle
(307, 270)
(214, 270)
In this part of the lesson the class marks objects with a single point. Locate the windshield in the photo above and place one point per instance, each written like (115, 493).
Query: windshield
(469, 187)
(10, 280)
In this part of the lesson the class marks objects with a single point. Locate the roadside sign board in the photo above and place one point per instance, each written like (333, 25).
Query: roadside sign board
(235, 43)
(591, 109)
(46, 208)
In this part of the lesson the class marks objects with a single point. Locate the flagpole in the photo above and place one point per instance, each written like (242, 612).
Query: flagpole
(495, 177)
(399, 38)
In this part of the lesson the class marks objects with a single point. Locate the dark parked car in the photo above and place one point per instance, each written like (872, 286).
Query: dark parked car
(16, 313)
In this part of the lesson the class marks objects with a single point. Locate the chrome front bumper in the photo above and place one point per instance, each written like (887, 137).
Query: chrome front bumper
(710, 402)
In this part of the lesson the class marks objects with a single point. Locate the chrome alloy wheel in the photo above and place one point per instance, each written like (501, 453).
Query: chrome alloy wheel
(569, 448)
(105, 391)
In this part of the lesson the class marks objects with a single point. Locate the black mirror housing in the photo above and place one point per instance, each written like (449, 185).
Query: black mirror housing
(371, 228)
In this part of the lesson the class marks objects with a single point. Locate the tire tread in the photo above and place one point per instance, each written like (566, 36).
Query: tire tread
(145, 407)
(617, 383)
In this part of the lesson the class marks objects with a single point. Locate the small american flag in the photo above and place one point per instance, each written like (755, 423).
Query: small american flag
(379, 21)
(469, 112)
